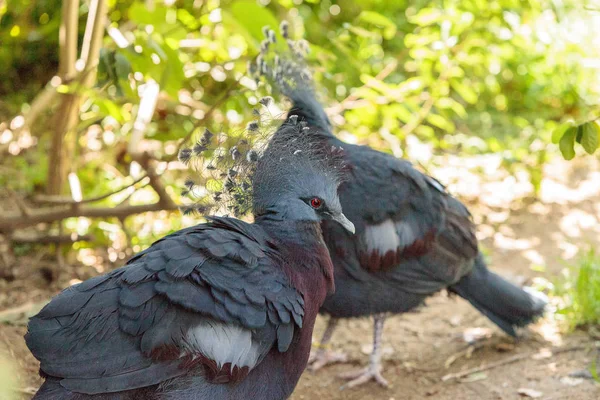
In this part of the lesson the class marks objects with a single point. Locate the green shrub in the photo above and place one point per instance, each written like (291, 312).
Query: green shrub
(579, 291)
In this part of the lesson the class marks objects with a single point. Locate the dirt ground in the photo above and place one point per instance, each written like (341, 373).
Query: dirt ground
(422, 347)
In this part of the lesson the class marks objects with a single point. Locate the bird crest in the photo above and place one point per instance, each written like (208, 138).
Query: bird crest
(285, 71)
(228, 166)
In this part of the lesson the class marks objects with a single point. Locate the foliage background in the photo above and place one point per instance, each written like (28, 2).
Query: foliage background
(416, 78)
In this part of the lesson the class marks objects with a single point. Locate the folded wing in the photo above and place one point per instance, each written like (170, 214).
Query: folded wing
(207, 298)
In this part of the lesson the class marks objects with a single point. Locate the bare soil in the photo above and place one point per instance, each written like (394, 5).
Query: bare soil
(422, 347)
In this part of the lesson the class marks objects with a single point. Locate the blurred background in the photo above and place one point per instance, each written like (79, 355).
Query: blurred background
(499, 100)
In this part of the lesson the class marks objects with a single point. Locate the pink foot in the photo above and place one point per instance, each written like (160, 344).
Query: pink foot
(357, 378)
(322, 357)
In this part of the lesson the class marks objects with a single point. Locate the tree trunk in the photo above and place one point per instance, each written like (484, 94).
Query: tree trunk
(63, 140)
(65, 118)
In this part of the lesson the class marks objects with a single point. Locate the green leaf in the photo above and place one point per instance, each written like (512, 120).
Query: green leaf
(464, 91)
(187, 19)
(426, 16)
(122, 66)
(251, 16)
(560, 131)
(372, 17)
(450, 103)
(589, 140)
(425, 131)
(361, 32)
(108, 107)
(440, 122)
(140, 14)
(402, 113)
(579, 134)
(567, 143)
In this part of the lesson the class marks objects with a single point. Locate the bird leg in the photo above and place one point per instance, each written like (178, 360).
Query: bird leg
(373, 371)
(323, 355)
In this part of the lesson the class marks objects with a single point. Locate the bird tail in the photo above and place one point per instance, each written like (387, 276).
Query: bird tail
(505, 304)
(287, 72)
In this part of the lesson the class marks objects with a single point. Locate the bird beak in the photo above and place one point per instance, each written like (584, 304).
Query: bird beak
(345, 222)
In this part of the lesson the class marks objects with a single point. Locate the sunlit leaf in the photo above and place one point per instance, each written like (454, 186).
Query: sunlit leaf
(426, 16)
(464, 91)
(122, 66)
(589, 140)
(361, 32)
(425, 131)
(187, 19)
(440, 122)
(141, 14)
(451, 104)
(560, 131)
(173, 76)
(108, 107)
(402, 113)
(253, 17)
(375, 18)
(567, 143)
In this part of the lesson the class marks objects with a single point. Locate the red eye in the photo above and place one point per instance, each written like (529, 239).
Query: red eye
(316, 202)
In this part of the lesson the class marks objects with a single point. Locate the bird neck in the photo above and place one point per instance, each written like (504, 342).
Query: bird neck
(290, 232)
(302, 247)
(306, 261)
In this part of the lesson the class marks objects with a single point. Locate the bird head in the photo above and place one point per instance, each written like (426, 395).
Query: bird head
(297, 178)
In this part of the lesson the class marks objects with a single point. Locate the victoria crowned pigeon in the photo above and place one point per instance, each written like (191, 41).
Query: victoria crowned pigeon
(220, 310)
(412, 238)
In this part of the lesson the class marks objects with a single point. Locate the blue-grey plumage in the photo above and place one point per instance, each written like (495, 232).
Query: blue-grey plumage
(220, 310)
(412, 237)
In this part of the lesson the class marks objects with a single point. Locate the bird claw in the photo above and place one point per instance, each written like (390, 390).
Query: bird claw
(322, 357)
(362, 376)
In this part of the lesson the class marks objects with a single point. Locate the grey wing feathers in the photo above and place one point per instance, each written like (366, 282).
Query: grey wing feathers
(407, 224)
(389, 188)
(138, 325)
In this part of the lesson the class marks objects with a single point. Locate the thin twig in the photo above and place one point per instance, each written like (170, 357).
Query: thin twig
(148, 164)
(12, 222)
(423, 112)
(22, 309)
(68, 38)
(463, 353)
(19, 202)
(45, 239)
(6, 256)
(513, 359)
(27, 390)
(66, 200)
(353, 97)
(208, 113)
(40, 103)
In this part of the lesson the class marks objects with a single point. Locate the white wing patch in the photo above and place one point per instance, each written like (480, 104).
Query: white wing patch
(223, 343)
(406, 234)
(388, 235)
(381, 237)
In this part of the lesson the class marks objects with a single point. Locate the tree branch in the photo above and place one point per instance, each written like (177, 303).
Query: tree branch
(515, 358)
(19, 202)
(92, 39)
(68, 38)
(148, 164)
(68, 114)
(422, 114)
(12, 222)
(66, 118)
(60, 200)
(349, 101)
(23, 238)
(208, 113)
